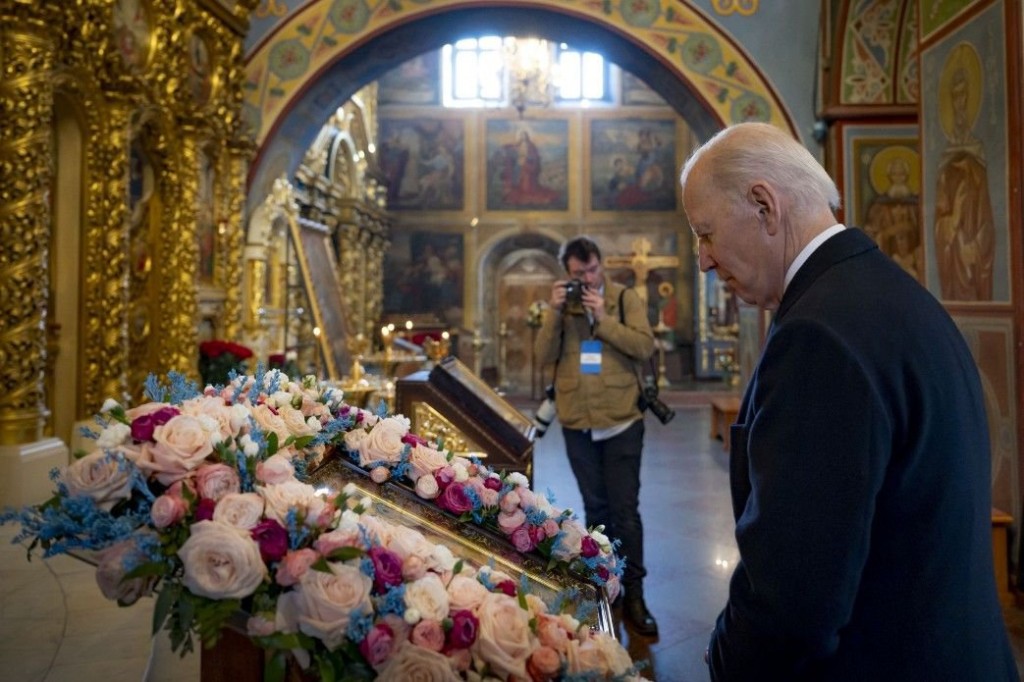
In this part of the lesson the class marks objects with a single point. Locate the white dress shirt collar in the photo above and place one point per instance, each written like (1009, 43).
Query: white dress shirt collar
(811, 247)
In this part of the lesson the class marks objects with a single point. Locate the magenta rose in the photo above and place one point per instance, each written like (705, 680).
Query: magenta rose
(444, 476)
(272, 538)
(454, 499)
(463, 631)
(204, 510)
(492, 483)
(142, 427)
(508, 587)
(378, 645)
(387, 568)
(413, 440)
(589, 547)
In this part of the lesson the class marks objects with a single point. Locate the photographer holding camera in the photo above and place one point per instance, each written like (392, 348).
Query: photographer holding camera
(595, 348)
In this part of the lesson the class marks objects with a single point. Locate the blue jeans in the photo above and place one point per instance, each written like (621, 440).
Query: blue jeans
(608, 475)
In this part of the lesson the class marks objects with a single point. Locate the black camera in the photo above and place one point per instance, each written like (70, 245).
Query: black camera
(574, 292)
(649, 401)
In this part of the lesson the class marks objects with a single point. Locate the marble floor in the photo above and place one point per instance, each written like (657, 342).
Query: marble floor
(56, 627)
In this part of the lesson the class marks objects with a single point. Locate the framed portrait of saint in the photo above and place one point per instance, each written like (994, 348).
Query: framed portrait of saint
(527, 164)
(132, 33)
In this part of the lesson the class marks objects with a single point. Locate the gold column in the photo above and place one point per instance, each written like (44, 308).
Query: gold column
(26, 152)
(238, 159)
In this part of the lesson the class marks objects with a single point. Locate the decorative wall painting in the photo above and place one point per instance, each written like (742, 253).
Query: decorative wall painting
(965, 174)
(423, 159)
(637, 92)
(527, 164)
(423, 274)
(632, 164)
(882, 190)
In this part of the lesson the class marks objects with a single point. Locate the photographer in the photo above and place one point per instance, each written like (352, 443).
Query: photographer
(596, 393)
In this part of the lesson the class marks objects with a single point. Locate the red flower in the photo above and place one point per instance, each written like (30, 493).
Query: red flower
(455, 499)
(272, 538)
(463, 631)
(387, 568)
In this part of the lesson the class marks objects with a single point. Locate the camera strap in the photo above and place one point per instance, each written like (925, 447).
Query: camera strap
(635, 363)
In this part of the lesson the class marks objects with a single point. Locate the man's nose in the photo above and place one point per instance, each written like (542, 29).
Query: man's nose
(704, 260)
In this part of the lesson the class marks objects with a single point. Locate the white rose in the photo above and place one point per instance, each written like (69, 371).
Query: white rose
(407, 542)
(384, 442)
(295, 422)
(461, 474)
(442, 559)
(324, 602)
(569, 542)
(241, 510)
(238, 416)
(354, 440)
(465, 593)
(411, 663)
(428, 596)
(293, 494)
(518, 479)
(270, 422)
(105, 478)
(427, 487)
(214, 407)
(112, 436)
(220, 562)
(504, 639)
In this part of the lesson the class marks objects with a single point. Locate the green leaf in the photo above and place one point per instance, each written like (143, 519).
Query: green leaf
(150, 568)
(345, 554)
(321, 565)
(457, 568)
(271, 444)
(164, 604)
(275, 667)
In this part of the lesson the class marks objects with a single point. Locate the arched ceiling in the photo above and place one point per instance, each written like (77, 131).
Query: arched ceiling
(321, 55)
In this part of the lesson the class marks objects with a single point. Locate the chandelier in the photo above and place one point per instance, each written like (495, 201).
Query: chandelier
(530, 73)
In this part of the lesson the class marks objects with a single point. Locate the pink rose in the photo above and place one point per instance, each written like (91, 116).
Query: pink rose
(216, 408)
(270, 422)
(465, 593)
(110, 573)
(505, 639)
(167, 510)
(509, 522)
(544, 664)
(455, 499)
(221, 563)
(259, 626)
(384, 442)
(294, 565)
(527, 498)
(464, 629)
(428, 634)
(272, 538)
(104, 478)
(552, 633)
(550, 527)
(214, 481)
(293, 494)
(424, 460)
(324, 602)
(345, 535)
(241, 510)
(410, 662)
(380, 474)
(274, 469)
(387, 568)
(413, 567)
(510, 502)
(378, 645)
(567, 546)
(182, 444)
(522, 539)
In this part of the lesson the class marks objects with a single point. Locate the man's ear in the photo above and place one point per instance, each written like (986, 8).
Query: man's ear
(765, 203)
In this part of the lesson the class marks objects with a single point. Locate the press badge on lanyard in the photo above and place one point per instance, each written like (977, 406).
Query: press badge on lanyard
(590, 357)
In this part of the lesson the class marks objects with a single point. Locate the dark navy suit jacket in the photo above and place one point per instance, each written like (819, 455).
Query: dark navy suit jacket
(860, 475)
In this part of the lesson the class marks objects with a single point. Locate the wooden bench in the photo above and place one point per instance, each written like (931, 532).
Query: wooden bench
(723, 415)
(1001, 522)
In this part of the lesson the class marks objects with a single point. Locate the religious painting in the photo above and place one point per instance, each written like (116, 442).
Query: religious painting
(882, 186)
(527, 164)
(200, 68)
(206, 228)
(423, 159)
(964, 162)
(415, 82)
(132, 26)
(637, 92)
(632, 164)
(991, 342)
(423, 274)
(937, 13)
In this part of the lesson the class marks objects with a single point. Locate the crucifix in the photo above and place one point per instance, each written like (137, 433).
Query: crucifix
(641, 262)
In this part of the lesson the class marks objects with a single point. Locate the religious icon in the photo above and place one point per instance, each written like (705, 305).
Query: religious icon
(200, 71)
(132, 33)
(964, 224)
(892, 218)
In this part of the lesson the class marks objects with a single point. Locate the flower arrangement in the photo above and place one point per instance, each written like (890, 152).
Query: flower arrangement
(217, 359)
(200, 499)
